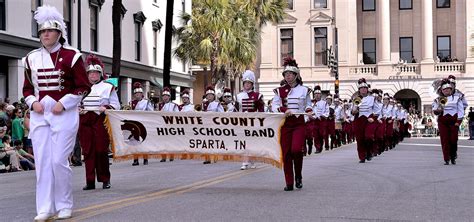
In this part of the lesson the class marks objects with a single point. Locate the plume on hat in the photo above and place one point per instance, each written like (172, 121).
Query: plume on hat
(48, 13)
(94, 60)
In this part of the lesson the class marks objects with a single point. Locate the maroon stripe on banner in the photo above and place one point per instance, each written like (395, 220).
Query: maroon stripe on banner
(49, 77)
(48, 84)
(45, 70)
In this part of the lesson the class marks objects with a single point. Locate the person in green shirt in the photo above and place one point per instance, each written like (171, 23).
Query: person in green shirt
(26, 159)
(18, 130)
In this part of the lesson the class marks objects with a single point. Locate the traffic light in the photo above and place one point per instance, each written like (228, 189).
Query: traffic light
(332, 62)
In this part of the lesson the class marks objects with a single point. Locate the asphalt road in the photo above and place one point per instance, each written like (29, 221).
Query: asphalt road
(409, 183)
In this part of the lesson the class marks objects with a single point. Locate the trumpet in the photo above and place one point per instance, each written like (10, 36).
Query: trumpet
(357, 101)
(442, 100)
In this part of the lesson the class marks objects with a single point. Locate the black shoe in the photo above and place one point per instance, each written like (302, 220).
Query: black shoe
(369, 158)
(361, 161)
(288, 188)
(299, 183)
(135, 163)
(453, 161)
(171, 160)
(206, 162)
(106, 185)
(145, 162)
(446, 162)
(317, 151)
(162, 160)
(89, 186)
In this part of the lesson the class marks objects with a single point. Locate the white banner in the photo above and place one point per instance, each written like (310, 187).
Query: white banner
(196, 135)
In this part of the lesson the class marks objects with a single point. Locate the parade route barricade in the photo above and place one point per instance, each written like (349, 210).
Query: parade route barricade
(196, 135)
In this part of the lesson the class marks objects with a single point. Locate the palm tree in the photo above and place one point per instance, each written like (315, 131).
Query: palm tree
(117, 39)
(224, 33)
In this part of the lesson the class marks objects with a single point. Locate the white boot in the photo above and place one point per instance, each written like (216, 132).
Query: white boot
(253, 166)
(43, 217)
(244, 166)
(64, 214)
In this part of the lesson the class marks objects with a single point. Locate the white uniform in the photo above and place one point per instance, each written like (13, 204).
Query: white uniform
(144, 105)
(214, 106)
(169, 107)
(367, 106)
(454, 106)
(63, 80)
(188, 108)
(102, 94)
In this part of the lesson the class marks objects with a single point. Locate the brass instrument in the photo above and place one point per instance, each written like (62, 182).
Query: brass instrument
(442, 100)
(357, 101)
(126, 107)
(198, 107)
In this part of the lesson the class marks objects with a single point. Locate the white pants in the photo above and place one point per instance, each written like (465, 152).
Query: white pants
(53, 138)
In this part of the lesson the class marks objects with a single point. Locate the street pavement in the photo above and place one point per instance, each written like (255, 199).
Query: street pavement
(409, 183)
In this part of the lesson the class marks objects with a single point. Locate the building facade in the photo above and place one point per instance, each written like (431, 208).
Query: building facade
(90, 30)
(399, 46)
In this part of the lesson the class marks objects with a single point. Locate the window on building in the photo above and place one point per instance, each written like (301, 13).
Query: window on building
(289, 4)
(320, 3)
(320, 46)
(444, 48)
(138, 18)
(369, 51)
(406, 48)
(3, 16)
(443, 3)
(67, 13)
(155, 47)
(138, 41)
(405, 4)
(286, 37)
(368, 5)
(94, 27)
(34, 26)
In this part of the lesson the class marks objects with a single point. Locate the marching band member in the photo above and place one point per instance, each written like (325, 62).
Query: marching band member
(338, 117)
(396, 124)
(93, 136)
(55, 83)
(167, 106)
(142, 104)
(380, 125)
(292, 99)
(319, 107)
(347, 122)
(309, 133)
(187, 106)
(387, 110)
(228, 104)
(211, 105)
(364, 126)
(330, 124)
(450, 110)
(249, 101)
(401, 116)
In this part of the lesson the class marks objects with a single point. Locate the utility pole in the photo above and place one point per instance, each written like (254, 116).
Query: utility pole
(168, 42)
